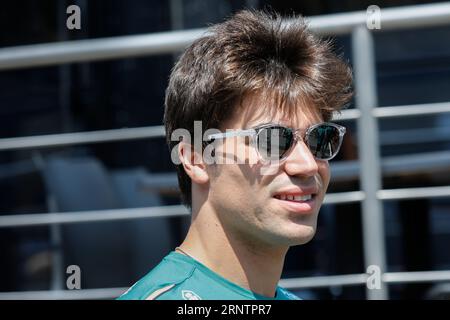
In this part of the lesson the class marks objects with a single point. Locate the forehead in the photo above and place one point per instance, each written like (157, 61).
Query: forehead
(257, 109)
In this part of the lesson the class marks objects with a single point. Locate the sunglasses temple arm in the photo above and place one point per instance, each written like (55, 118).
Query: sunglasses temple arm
(230, 134)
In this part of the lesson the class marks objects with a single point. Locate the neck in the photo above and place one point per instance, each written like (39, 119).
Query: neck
(245, 262)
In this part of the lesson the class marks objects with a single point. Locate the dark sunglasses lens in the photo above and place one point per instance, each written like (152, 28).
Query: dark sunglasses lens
(274, 142)
(324, 141)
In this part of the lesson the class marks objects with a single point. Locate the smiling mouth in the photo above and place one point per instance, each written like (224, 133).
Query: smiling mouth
(295, 198)
(304, 204)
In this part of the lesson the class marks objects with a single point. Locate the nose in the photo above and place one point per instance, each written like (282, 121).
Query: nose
(300, 162)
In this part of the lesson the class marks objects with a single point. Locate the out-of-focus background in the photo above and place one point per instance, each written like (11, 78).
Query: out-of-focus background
(86, 178)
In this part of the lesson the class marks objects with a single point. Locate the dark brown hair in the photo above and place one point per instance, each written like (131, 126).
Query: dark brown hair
(253, 51)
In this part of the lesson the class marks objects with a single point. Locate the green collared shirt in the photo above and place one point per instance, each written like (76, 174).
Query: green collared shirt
(179, 277)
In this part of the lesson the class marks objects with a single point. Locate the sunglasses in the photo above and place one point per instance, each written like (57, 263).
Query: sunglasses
(274, 142)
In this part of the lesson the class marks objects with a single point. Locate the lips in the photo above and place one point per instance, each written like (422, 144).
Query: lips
(295, 193)
(297, 199)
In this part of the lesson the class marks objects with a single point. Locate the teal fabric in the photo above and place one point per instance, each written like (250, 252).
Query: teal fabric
(192, 281)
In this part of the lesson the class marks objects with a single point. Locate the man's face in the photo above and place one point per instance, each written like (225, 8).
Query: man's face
(250, 203)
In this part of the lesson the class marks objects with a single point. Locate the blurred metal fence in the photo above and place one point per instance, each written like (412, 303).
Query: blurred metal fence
(366, 115)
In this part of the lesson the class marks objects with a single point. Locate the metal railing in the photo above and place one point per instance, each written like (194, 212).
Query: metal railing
(290, 283)
(126, 134)
(172, 41)
(71, 217)
(366, 115)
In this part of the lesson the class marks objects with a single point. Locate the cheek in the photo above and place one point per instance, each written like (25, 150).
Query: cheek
(325, 175)
(234, 197)
(230, 186)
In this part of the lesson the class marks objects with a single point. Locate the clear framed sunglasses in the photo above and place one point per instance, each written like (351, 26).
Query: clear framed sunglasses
(274, 142)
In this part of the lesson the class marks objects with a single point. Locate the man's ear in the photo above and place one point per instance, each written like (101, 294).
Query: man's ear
(193, 163)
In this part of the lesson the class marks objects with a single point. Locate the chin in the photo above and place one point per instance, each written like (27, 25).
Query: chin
(303, 236)
(303, 240)
(295, 237)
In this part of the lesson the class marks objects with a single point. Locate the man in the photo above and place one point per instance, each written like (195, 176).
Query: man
(270, 88)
